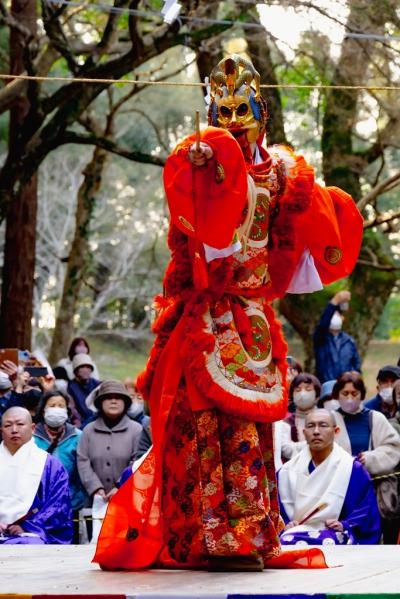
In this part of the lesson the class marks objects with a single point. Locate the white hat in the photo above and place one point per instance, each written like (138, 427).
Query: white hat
(82, 360)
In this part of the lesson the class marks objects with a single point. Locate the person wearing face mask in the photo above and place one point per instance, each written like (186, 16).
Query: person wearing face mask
(383, 400)
(325, 401)
(364, 433)
(335, 351)
(304, 391)
(368, 435)
(58, 437)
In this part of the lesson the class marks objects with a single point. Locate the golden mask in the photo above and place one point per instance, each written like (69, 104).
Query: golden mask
(235, 98)
(235, 114)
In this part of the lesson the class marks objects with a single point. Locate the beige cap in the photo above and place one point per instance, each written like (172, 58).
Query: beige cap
(82, 360)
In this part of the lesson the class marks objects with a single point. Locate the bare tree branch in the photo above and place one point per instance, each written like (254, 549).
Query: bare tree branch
(382, 187)
(385, 267)
(380, 220)
(13, 23)
(106, 144)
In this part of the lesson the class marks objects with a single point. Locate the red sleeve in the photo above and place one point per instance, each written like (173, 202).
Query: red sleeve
(206, 203)
(332, 230)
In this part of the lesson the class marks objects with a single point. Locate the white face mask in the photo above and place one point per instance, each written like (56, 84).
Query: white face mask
(387, 394)
(336, 322)
(55, 417)
(304, 400)
(349, 405)
(331, 404)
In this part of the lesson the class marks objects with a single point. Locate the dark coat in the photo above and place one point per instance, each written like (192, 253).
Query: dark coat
(333, 354)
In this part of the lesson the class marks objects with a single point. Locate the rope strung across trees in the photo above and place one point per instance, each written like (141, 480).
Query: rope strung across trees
(194, 84)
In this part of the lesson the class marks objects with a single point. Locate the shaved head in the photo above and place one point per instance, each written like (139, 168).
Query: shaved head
(17, 428)
(321, 412)
(18, 411)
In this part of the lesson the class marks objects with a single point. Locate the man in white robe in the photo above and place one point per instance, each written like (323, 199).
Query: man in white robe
(326, 495)
(35, 506)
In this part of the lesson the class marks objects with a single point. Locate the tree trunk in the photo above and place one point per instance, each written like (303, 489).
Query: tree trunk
(260, 55)
(370, 287)
(20, 239)
(78, 257)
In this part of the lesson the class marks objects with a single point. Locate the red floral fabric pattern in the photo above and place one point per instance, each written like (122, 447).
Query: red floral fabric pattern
(219, 488)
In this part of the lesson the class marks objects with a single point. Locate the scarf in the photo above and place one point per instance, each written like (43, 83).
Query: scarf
(20, 476)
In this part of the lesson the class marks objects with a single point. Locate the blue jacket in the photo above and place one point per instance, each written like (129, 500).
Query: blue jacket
(333, 359)
(376, 403)
(66, 453)
(79, 393)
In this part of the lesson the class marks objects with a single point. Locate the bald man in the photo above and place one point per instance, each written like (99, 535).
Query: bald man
(35, 507)
(326, 495)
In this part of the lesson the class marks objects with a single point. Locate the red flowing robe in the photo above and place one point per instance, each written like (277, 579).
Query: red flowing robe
(215, 379)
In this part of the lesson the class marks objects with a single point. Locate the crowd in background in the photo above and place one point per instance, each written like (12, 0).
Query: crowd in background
(98, 429)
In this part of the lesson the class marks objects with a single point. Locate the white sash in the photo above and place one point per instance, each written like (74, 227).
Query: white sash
(20, 476)
(302, 492)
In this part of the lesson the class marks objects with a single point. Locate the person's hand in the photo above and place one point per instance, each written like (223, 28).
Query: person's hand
(3, 527)
(10, 369)
(334, 525)
(201, 156)
(14, 530)
(101, 492)
(21, 381)
(290, 525)
(110, 494)
(48, 382)
(341, 296)
(362, 458)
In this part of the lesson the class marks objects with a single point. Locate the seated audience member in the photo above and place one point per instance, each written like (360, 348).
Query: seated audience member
(383, 400)
(108, 444)
(364, 433)
(294, 368)
(325, 399)
(335, 351)
(137, 410)
(26, 391)
(5, 392)
(326, 496)
(395, 420)
(57, 437)
(80, 387)
(304, 391)
(368, 435)
(61, 378)
(79, 345)
(35, 506)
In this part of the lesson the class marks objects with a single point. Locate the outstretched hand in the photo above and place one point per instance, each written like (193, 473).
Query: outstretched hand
(202, 155)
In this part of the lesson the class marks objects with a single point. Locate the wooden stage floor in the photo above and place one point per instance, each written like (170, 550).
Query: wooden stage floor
(67, 570)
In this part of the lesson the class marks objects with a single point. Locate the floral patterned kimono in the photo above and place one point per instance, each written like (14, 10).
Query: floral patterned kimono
(215, 379)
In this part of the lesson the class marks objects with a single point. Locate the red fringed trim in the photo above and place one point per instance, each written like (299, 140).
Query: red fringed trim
(284, 253)
(198, 343)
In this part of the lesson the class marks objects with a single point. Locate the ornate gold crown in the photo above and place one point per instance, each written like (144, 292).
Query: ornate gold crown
(232, 73)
